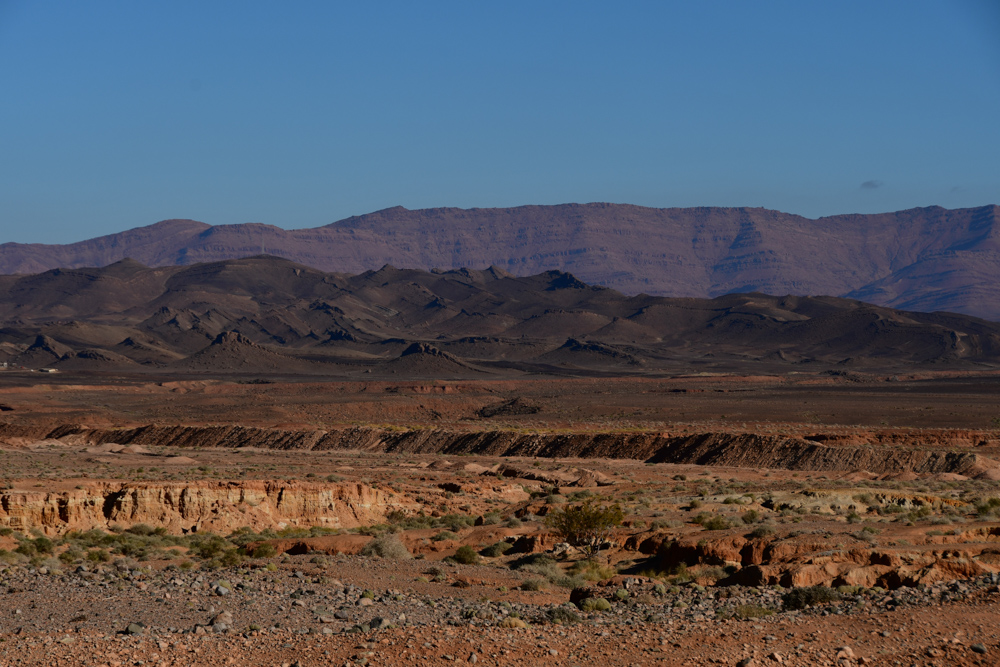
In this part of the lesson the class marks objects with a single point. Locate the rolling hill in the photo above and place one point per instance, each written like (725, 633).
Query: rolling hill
(267, 315)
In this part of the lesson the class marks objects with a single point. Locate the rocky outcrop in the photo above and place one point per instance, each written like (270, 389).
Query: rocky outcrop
(712, 449)
(809, 561)
(198, 506)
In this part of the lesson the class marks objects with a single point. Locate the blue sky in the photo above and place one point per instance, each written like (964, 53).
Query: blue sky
(120, 114)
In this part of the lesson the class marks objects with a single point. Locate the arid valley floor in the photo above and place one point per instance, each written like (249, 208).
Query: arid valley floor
(775, 518)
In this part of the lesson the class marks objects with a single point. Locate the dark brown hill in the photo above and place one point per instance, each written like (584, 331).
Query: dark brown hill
(921, 259)
(266, 315)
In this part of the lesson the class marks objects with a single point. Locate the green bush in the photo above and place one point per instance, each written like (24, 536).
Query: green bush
(71, 555)
(144, 530)
(98, 556)
(750, 516)
(587, 525)
(800, 598)
(456, 522)
(621, 595)
(762, 531)
(444, 535)
(207, 546)
(264, 550)
(595, 604)
(496, 549)
(712, 521)
(466, 555)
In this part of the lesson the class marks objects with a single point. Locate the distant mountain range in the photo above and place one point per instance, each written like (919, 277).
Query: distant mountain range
(269, 316)
(925, 259)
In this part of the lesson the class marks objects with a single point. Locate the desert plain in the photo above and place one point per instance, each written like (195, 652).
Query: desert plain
(768, 517)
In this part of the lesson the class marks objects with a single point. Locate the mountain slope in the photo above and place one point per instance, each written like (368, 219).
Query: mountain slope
(922, 259)
(272, 316)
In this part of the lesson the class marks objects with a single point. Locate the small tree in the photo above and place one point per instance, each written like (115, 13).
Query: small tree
(587, 525)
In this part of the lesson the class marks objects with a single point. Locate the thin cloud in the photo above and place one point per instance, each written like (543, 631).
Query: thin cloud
(871, 185)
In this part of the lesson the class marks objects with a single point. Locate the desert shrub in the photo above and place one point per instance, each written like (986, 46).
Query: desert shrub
(562, 616)
(712, 573)
(455, 522)
(207, 545)
(747, 611)
(513, 522)
(496, 549)
(711, 521)
(26, 548)
(549, 570)
(144, 530)
(592, 571)
(230, 557)
(9, 557)
(762, 531)
(98, 556)
(71, 555)
(44, 545)
(587, 525)
(591, 605)
(750, 516)
(532, 559)
(387, 546)
(681, 574)
(466, 555)
(800, 598)
(621, 595)
(263, 550)
(492, 518)
(243, 536)
(445, 535)
(534, 584)
(694, 504)
(730, 500)
(987, 507)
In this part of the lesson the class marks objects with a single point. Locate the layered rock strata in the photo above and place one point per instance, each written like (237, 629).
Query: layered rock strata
(712, 449)
(197, 506)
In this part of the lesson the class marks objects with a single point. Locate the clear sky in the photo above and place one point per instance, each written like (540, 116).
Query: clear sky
(119, 114)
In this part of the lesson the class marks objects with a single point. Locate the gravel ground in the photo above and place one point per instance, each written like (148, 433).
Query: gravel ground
(122, 615)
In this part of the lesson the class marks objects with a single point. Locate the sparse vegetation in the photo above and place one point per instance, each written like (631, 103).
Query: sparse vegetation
(591, 605)
(587, 525)
(801, 598)
(387, 546)
(496, 549)
(466, 555)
